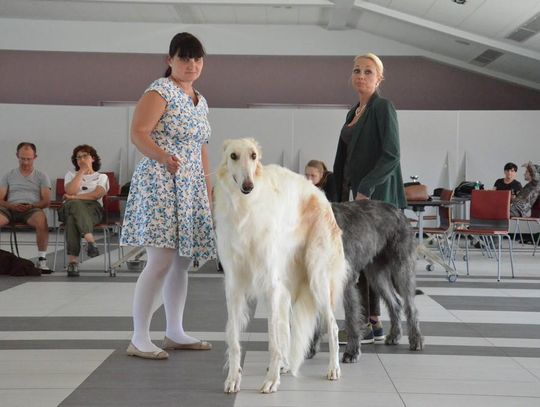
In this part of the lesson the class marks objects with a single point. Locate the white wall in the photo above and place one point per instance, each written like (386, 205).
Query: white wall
(434, 144)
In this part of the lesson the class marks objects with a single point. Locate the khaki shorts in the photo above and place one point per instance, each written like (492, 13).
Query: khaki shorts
(18, 217)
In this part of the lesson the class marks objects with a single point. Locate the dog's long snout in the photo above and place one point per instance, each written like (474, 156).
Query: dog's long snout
(247, 186)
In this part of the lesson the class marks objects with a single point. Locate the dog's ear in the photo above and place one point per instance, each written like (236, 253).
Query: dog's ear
(226, 143)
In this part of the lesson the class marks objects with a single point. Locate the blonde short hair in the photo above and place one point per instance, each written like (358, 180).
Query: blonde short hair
(376, 60)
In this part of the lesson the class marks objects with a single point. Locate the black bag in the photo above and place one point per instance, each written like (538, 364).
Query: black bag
(464, 189)
(437, 192)
(15, 266)
(124, 191)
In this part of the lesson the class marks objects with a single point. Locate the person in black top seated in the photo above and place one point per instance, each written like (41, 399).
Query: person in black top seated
(323, 179)
(509, 181)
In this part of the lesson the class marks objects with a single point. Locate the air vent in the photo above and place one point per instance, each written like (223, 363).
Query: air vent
(486, 57)
(526, 30)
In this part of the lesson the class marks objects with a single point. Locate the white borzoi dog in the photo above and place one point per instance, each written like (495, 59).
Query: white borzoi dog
(277, 239)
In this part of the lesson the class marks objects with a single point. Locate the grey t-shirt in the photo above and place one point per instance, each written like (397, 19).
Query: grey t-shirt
(23, 189)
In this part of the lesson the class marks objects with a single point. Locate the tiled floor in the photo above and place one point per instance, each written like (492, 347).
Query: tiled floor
(62, 342)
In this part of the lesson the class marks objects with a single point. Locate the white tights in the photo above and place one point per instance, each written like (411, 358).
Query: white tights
(164, 268)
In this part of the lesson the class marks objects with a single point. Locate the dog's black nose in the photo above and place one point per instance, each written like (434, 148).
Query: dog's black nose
(247, 187)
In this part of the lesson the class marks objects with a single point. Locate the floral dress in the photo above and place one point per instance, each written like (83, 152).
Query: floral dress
(172, 210)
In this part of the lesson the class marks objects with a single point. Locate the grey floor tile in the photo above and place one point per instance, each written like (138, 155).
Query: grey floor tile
(468, 370)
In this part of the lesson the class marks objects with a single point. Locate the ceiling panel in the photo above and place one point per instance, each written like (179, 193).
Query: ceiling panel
(452, 14)
(417, 8)
(496, 18)
(534, 42)
(383, 3)
(524, 68)
(401, 31)
(424, 24)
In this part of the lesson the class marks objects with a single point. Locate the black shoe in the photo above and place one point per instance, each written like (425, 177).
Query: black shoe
(73, 270)
(92, 250)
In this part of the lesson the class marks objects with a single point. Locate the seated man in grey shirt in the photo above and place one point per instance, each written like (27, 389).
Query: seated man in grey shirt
(24, 193)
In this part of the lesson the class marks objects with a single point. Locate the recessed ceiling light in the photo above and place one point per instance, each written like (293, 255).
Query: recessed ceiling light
(462, 42)
(460, 2)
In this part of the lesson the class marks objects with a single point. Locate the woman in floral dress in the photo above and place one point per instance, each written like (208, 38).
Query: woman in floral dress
(168, 209)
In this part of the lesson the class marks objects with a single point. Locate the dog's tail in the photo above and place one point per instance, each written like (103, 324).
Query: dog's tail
(303, 321)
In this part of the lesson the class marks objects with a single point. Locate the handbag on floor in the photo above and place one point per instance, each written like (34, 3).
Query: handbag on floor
(16, 266)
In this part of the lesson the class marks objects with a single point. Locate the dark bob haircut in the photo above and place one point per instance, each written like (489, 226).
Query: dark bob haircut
(85, 148)
(185, 45)
(510, 166)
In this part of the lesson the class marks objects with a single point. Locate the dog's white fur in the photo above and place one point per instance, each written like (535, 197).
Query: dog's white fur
(277, 238)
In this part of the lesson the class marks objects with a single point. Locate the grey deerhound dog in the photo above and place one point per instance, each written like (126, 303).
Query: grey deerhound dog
(379, 242)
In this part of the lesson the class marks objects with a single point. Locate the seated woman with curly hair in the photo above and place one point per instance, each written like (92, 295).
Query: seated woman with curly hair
(83, 203)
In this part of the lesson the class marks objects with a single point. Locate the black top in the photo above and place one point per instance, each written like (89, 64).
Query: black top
(514, 186)
(329, 188)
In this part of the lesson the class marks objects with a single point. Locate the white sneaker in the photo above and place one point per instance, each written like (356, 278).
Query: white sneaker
(42, 264)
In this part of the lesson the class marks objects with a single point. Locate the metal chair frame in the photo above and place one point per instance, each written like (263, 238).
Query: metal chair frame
(490, 217)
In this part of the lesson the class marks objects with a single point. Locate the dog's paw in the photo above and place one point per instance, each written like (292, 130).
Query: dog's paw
(270, 386)
(232, 384)
(333, 373)
(350, 357)
(392, 340)
(311, 352)
(416, 343)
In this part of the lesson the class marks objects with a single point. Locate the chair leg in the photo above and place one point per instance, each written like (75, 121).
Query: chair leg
(517, 231)
(488, 247)
(499, 258)
(531, 234)
(467, 254)
(119, 233)
(13, 241)
(452, 246)
(516, 228)
(56, 247)
(104, 229)
(448, 249)
(510, 246)
(109, 236)
(521, 240)
(537, 240)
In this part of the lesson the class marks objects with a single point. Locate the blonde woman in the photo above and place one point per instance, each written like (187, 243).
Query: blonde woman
(367, 163)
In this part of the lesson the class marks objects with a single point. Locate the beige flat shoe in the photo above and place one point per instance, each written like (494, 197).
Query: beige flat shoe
(170, 344)
(157, 355)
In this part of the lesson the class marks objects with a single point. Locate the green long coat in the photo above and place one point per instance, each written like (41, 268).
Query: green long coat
(373, 154)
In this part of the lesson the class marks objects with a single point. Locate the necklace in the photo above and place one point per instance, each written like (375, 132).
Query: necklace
(359, 110)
